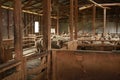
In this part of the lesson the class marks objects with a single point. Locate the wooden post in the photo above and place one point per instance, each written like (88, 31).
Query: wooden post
(29, 23)
(83, 26)
(48, 66)
(41, 22)
(18, 36)
(76, 18)
(117, 24)
(17, 29)
(94, 15)
(24, 24)
(8, 24)
(71, 19)
(117, 20)
(46, 24)
(54, 63)
(57, 31)
(104, 21)
(57, 21)
(39, 25)
(33, 24)
(1, 42)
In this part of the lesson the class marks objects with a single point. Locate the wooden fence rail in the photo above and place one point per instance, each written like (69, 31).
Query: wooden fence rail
(41, 68)
(8, 71)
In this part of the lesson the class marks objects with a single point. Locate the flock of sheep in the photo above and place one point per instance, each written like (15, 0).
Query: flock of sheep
(57, 41)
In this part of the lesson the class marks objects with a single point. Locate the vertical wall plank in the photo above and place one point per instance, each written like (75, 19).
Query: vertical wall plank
(8, 24)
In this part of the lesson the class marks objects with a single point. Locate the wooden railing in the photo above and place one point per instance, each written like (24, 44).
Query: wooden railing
(27, 41)
(100, 44)
(8, 46)
(9, 71)
(39, 69)
(72, 45)
(42, 70)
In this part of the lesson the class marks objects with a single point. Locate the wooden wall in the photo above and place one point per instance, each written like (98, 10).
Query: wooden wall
(27, 23)
(85, 65)
(85, 21)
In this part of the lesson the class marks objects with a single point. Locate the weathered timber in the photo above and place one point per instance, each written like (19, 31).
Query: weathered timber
(94, 19)
(104, 21)
(94, 65)
(17, 29)
(76, 18)
(8, 24)
(49, 66)
(1, 46)
(54, 77)
(9, 65)
(71, 17)
(57, 25)
(18, 36)
(46, 24)
(25, 24)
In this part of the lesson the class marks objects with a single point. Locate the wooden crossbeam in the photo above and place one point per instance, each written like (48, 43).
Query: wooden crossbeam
(85, 7)
(110, 4)
(26, 11)
(98, 4)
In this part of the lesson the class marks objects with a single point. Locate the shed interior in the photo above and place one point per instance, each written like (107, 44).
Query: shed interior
(59, 39)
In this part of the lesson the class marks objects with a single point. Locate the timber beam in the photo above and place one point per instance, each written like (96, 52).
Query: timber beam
(98, 4)
(27, 11)
(110, 4)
